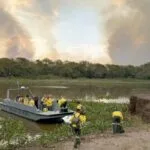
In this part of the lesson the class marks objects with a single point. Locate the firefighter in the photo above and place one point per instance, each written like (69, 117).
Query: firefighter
(47, 102)
(117, 120)
(80, 107)
(31, 102)
(77, 121)
(26, 100)
(62, 102)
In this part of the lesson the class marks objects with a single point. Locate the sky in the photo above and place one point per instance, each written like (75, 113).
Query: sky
(106, 31)
(78, 33)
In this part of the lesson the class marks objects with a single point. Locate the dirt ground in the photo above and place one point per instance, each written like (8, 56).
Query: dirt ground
(133, 139)
(137, 140)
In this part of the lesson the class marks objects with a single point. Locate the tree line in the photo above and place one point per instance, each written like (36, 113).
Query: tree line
(22, 67)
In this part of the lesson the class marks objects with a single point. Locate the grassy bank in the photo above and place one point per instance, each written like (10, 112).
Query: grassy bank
(98, 121)
(12, 134)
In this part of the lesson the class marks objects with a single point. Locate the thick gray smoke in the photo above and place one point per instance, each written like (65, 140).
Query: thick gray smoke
(42, 14)
(26, 24)
(129, 33)
(16, 42)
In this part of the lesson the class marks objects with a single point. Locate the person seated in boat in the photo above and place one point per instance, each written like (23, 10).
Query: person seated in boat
(17, 98)
(26, 100)
(48, 102)
(31, 102)
(62, 102)
(21, 99)
(43, 99)
(36, 99)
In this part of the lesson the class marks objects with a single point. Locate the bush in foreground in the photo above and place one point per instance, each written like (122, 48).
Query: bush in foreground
(12, 134)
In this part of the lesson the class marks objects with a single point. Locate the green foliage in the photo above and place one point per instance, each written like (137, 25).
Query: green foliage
(99, 116)
(60, 133)
(22, 67)
(13, 133)
(99, 119)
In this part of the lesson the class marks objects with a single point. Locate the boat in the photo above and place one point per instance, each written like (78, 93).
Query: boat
(34, 113)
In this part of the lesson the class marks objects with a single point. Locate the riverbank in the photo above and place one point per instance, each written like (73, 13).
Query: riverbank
(97, 128)
(99, 121)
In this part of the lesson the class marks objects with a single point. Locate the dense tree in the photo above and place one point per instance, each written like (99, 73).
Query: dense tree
(22, 67)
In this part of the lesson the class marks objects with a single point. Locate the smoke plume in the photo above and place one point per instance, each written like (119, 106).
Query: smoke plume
(26, 28)
(128, 31)
(14, 39)
(32, 28)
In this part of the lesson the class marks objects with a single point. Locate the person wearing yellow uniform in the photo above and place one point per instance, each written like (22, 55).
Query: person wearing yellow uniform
(80, 107)
(31, 102)
(43, 106)
(77, 121)
(48, 102)
(43, 98)
(117, 118)
(62, 102)
(26, 100)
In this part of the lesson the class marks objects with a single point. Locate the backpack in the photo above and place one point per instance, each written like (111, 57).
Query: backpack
(75, 120)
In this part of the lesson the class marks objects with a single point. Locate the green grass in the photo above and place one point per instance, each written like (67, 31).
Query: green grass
(99, 119)
(13, 133)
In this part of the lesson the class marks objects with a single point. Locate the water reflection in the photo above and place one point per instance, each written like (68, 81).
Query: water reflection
(119, 100)
(77, 91)
(53, 87)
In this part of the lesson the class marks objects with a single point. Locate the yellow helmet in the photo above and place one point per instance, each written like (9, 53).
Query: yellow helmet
(79, 106)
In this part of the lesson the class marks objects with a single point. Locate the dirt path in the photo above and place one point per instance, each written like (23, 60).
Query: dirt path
(131, 140)
(136, 140)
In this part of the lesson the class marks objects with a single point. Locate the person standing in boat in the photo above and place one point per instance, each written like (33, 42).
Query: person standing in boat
(62, 102)
(17, 98)
(31, 102)
(26, 100)
(36, 99)
(48, 102)
(20, 100)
